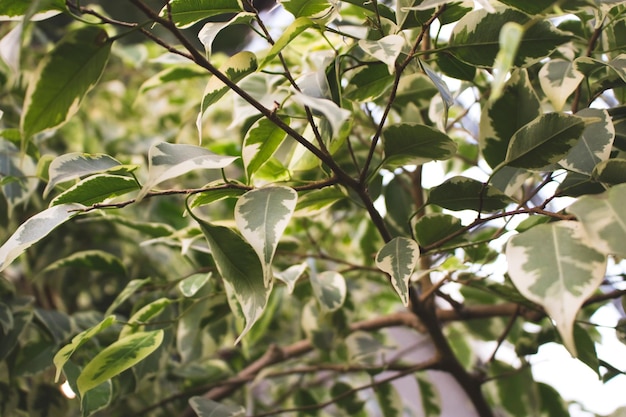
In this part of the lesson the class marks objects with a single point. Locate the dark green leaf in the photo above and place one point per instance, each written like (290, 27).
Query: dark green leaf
(96, 189)
(187, 12)
(462, 193)
(410, 143)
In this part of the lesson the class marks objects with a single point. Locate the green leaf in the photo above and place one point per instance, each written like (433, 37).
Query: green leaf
(66, 352)
(94, 260)
(594, 145)
(555, 266)
(612, 171)
(369, 83)
(335, 115)
(502, 117)
(349, 401)
(389, 400)
(187, 12)
(315, 9)
(118, 357)
(559, 79)
(239, 266)
(398, 258)
(386, 49)
(410, 143)
(210, 30)
(63, 78)
(293, 30)
(211, 196)
(317, 201)
(476, 37)
(96, 189)
(172, 74)
(531, 7)
(129, 289)
(75, 165)
(169, 161)
(35, 229)
(431, 399)
(192, 284)
(262, 216)
(15, 9)
(17, 175)
(604, 219)
(209, 408)
(544, 141)
(511, 35)
(290, 275)
(260, 143)
(141, 317)
(433, 227)
(462, 193)
(329, 287)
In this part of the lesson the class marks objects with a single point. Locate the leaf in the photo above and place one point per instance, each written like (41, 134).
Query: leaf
(389, 400)
(17, 175)
(94, 260)
(555, 266)
(511, 35)
(317, 201)
(130, 289)
(410, 143)
(262, 216)
(431, 398)
(209, 408)
(462, 193)
(239, 266)
(66, 352)
(604, 219)
(169, 161)
(18, 9)
(118, 357)
(75, 165)
(594, 145)
(386, 49)
(193, 283)
(369, 83)
(502, 117)
(329, 287)
(187, 12)
(544, 141)
(210, 30)
(398, 258)
(171, 74)
(476, 37)
(293, 30)
(335, 115)
(290, 275)
(137, 322)
(63, 78)
(35, 229)
(96, 189)
(433, 227)
(211, 196)
(315, 9)
(559, 79)
(612, 171)
(260, 143)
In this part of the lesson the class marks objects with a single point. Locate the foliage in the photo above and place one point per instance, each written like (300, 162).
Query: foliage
(190, 232)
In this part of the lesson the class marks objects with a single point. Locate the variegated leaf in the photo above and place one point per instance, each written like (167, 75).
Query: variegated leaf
(463, 193)
(260, 143)
(556, 266)
(511, 35)
(18, 175)
(293, 30)
(129, 289)
(398, 258)
(187, 12)
(142, 316)
(610, 172)
(431, 398)
(96, 189)
(192, 284)
(168, 161)
(314, 9)
(94, 260)
(210, 30)
(559, 79)
(239, 266)
(390, 401)
(262, 216)
(118, 357)
(410, 143)
(75, 165)
(64, 354)
(329, 287)
(290, 275)
(604, 219)
(386, 49)
(35, 229)
(209, 408)
(335, 115)
(594, 145)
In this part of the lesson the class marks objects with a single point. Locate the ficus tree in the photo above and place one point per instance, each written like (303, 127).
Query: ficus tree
(339, 211)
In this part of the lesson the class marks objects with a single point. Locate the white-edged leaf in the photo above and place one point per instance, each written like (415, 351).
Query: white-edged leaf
(464, 193)
(209, 408)
(390, 401)
(75, 165)
(63, 78)
(594, 145)
(241, 270)
(168, 161)
(64, 354)
(96, 189)
(412, 143)
(386, 49)
(556, 266)
(511, 35)
(559, 79)
(260, 143)
(187, 12)
(192, 284)
(430, 395)
(335, 115)
(129, 289)
(35, 229)
(604, 219)
(293, 30)
(210, 30)
(94, 260)
(262, 216)
(398, 258)
(329, 287)
(118, 357)
(290, 275)
(141, 317)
